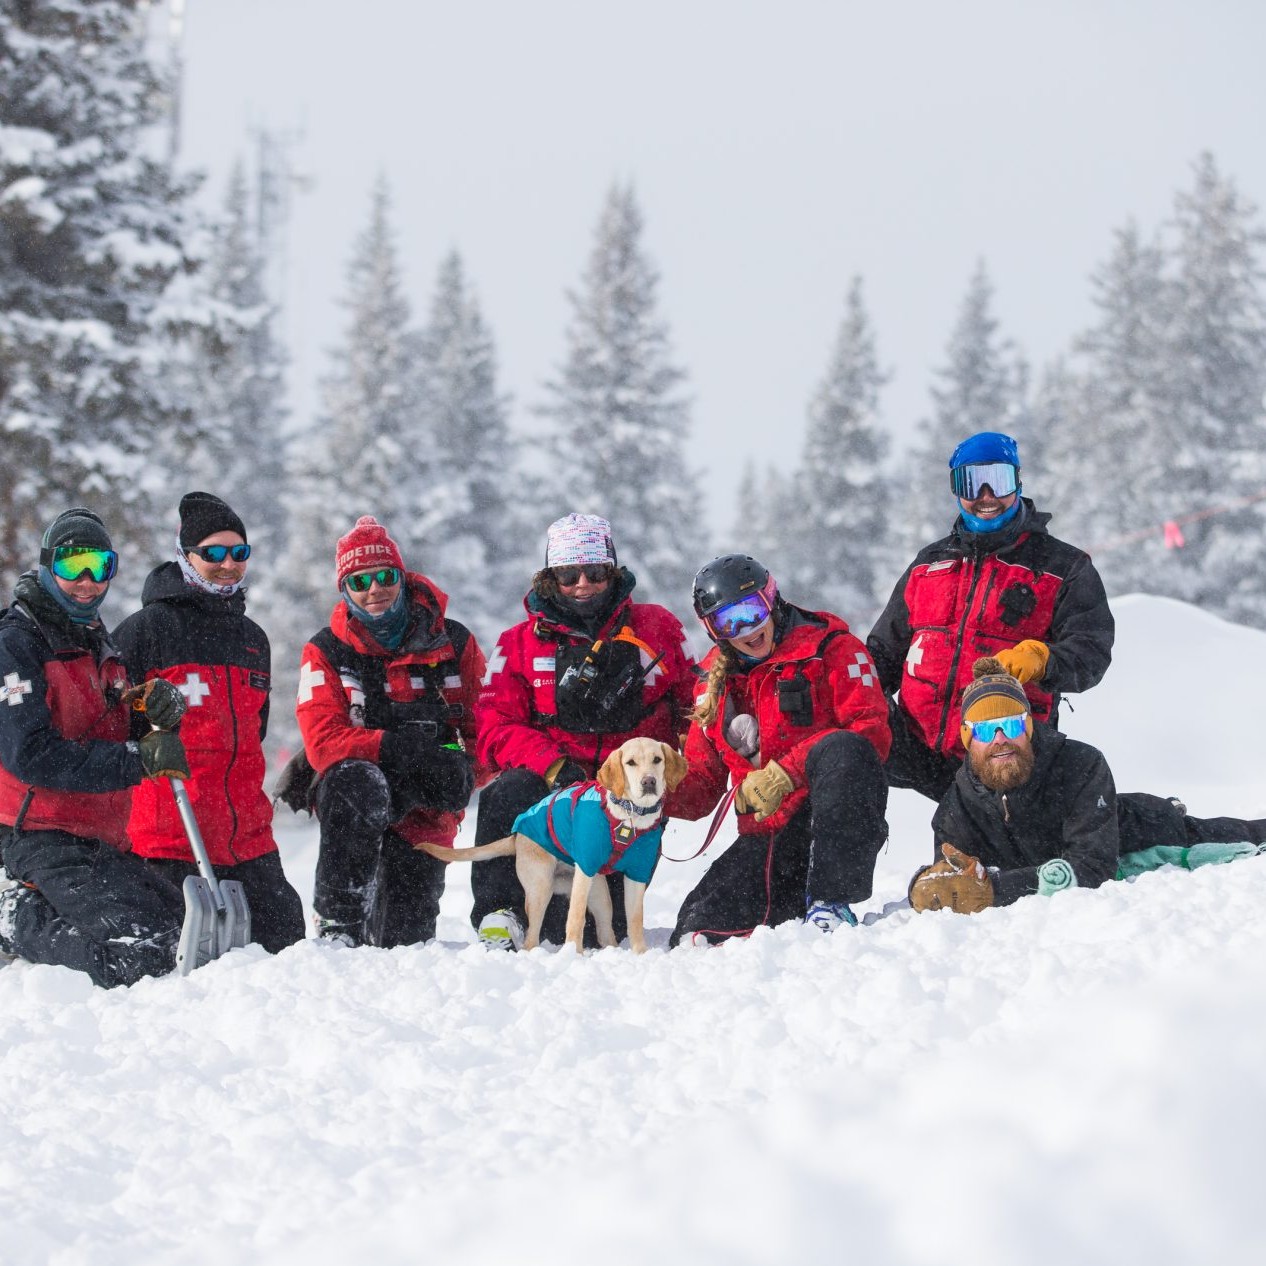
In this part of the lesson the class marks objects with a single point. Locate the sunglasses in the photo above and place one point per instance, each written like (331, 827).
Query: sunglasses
(1012, 727)
(218, 553)
(69, 562)
(968, 481)
(738, 618)
(594, 573)
(360, 581)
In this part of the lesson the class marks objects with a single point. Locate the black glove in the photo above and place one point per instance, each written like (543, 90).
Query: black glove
(423, 774)
(402, 753)
(567, 774)
(163, 755)
(161, 704)
(446, 780)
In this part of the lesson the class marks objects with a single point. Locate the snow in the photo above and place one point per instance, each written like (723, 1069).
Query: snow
(1078, 1079)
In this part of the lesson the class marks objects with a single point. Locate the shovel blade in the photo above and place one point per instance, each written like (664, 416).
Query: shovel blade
(206, 933)
(233, 928)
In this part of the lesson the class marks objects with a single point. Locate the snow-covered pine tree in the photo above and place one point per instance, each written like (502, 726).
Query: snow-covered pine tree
(466, 527)
(619, 446)
(237, 368)
(841, 511)
(1218, 393)
(92, 263)
(981, 388)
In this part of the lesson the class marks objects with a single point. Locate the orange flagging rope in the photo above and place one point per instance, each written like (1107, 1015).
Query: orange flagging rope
(1171, 529)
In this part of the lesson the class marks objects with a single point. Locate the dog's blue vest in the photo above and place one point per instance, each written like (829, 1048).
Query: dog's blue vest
(584, 831)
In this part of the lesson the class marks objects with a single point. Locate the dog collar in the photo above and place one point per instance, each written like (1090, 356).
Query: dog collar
(625, 832)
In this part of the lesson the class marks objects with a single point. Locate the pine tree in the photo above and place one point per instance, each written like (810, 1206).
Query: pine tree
(92, 269)
(982, 388)
(621, 424)
(467, 528)
(841, 510)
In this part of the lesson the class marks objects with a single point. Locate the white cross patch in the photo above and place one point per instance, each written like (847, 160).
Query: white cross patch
(14, 688)
(654, 672)
(308, 678)
(914, 656)
(194, 689)
(495, 665)
(862, 668)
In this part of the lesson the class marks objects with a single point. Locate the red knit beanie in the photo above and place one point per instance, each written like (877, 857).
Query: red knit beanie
(365, 547)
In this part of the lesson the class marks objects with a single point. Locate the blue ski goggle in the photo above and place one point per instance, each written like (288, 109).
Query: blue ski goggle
(737, 619)
(1011, 727)
(969, 481)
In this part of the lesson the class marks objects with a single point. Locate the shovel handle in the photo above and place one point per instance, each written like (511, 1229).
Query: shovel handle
(195, 841)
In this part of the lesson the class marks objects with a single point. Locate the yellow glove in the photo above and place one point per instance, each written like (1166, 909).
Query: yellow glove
(761, 792)
(958, 882)
(1025, 661)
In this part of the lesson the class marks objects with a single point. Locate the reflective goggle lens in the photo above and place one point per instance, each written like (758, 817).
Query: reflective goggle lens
(739, 617)
(218, 553)
(968, 481)
(69, 562)
(594, 573)
(1012, 727)
(359, 582)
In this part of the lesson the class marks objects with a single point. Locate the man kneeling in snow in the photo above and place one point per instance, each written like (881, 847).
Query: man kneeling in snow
(1033, 811)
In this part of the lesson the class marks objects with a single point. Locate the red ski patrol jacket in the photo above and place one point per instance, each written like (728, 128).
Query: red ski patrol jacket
(65, 763)
(220, 660)
(350, 685)
(969, 595)
(819, 678)
(520, 726)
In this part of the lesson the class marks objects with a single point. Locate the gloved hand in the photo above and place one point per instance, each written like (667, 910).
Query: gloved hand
(958, 882)
(743, 735)
(158, 701)
(761, 792)
(446, 780)
(402, 753)
(1025, 661)
(163, 755)
(564, 772)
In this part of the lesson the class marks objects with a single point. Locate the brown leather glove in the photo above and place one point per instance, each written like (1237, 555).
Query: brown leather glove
(957, 882)
(1025, 661)
(761, 792)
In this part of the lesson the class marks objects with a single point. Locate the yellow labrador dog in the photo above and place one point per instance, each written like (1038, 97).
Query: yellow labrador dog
(570, 839)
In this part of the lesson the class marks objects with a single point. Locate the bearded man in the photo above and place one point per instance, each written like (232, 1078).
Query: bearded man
(1033, 811)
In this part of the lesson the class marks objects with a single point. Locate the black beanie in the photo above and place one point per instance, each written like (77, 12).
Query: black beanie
(203, 514)
(76, 527)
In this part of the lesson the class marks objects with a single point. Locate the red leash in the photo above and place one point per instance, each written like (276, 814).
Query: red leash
(717, 818)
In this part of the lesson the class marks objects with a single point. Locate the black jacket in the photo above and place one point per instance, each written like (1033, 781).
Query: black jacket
(1068, 809)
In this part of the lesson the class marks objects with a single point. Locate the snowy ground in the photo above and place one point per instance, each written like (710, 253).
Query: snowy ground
(1078, 1080)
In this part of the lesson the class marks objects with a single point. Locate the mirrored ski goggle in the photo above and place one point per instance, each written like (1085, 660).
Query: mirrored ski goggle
(218, 553)
(968, 481)
(594, 573)
(739, 618)
(69, 562)
(360, 581)
(1011, 727)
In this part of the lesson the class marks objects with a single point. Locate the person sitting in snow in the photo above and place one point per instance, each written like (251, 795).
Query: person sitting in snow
(386, 710)
(1033, 811)
(72, 748)
(792, 713)
(999, 584)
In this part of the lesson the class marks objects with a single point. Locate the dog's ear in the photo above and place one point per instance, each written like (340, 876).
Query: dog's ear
(611, 775)
(674, 767)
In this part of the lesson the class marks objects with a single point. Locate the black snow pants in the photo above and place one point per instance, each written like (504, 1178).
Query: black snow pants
(370, 883)
(92, 908)
(276, 908)
(826, 852)
(1147, 821)
(495, 884)
(912, 764)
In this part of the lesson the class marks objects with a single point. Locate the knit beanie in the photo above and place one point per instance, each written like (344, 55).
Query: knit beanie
(577, 539)
(76, 527)
(992, 694)
(366, 546)
(203, 514)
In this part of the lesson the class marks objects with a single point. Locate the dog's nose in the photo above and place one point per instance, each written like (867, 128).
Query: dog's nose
(650, 785)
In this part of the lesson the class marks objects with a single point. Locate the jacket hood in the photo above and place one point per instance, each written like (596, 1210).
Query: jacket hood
(167, 583)
(427, 604)
(554, 616)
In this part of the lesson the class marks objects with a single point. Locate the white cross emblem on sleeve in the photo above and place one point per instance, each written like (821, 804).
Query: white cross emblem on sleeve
(309, 677)
(914, 656)
(194, 690)
(495, 665)
(862, 668)
(14, 688)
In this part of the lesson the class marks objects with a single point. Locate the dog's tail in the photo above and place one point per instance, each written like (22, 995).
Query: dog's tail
(480, 852)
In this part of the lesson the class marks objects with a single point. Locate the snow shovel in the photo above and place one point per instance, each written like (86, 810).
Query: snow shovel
(217, 918)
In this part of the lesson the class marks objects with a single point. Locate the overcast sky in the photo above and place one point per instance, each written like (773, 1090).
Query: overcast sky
(777, 150)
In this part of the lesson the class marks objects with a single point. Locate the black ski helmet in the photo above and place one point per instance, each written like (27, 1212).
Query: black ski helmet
(727, 579)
